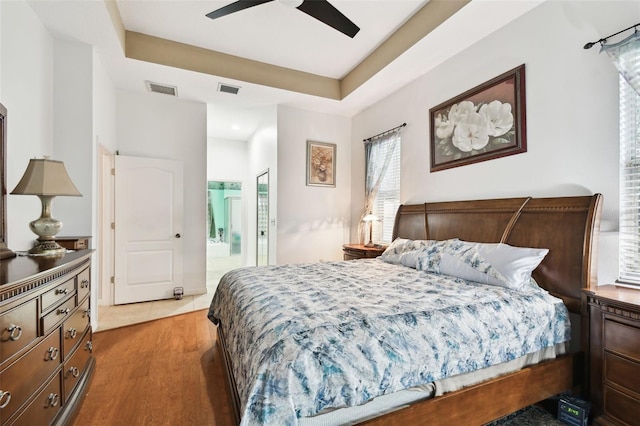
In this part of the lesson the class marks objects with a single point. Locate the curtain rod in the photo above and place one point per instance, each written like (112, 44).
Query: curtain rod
(384, 133)
(604, 40)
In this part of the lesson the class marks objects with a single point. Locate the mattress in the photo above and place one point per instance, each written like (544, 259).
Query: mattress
(305, 339)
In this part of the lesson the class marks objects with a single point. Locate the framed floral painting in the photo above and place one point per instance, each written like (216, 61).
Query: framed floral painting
(481, 124)
(321, 164)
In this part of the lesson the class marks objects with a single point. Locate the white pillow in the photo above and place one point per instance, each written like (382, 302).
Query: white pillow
(510, 266)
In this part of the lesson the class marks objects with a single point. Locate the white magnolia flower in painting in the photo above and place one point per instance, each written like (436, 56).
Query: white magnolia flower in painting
(459, 112)
(444, 126)
(499, 117)
(471, 133)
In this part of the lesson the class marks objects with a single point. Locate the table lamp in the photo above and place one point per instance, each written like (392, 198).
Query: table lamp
(370, 218)
(47, 179)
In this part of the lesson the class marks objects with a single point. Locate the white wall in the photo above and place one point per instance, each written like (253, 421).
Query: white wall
(27, 93)
(158, 126)
(263, 155)
(313, 221)
(572, 115)
(73, 132)
(227, 160)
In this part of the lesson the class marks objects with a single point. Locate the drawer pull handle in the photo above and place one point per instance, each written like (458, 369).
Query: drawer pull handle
(86, 313)
(75, 372)
(89, 346)
(84, 284)
(15, 332)
(62, 291)
(5, 397)
(64, 311)
(72, 333)
(52, 400)
(52, 353)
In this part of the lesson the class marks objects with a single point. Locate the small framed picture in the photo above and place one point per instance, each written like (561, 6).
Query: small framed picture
(321, 164)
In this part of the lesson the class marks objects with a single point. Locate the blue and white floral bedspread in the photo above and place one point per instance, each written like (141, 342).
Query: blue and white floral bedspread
(307, 337)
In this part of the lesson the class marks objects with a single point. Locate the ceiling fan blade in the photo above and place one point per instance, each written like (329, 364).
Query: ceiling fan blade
(323, 11)
(235, 7)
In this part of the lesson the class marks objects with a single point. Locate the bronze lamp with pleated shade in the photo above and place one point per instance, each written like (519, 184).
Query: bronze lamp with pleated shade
(47, 179)
(369, 219)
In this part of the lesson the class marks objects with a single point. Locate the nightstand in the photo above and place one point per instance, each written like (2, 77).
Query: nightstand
(360, 251)
(614, 352)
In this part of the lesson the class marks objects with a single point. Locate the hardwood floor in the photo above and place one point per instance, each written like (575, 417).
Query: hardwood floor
(162, 372)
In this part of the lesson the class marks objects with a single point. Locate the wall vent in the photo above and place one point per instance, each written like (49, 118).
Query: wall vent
(228, 89)
(165, 89)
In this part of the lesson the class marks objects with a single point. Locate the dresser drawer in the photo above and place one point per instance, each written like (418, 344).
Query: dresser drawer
(45, 407)
(75, 366)
(60, 313)
(19, 329)
(58, 293)
(621, 406)
(84, 281)
(74, 327)
(622, 339)
(23, 377)
(622, 372)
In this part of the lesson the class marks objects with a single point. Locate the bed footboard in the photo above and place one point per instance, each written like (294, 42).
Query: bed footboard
(231, 381)
(487, 401)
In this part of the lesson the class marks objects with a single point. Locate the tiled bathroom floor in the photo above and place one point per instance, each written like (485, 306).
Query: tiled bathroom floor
(121, 315)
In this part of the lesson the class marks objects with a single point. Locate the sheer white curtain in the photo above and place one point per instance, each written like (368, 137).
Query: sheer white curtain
(378, 154)
(626, 57)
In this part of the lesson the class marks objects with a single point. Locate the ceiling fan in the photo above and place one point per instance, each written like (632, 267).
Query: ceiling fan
(321, 10)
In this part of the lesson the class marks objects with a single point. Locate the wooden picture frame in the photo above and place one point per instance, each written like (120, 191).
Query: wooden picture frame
(483, 123)
(321, 164)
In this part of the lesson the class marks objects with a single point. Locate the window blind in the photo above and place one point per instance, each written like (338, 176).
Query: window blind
(629, 263)
(387, 200)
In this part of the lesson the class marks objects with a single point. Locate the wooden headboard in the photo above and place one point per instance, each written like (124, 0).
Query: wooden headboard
(567, 226)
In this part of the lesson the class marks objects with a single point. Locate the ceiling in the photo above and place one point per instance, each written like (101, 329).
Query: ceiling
(398, 41)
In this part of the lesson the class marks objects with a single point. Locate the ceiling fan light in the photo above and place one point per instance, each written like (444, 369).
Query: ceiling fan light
(292, 3)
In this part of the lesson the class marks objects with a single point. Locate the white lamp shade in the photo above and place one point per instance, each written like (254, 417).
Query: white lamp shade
(46, 177)
(370, 218)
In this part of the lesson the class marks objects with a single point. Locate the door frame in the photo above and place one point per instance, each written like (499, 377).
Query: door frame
(105, 240)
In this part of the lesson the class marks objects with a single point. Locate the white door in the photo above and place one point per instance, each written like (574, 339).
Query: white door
(148, 224)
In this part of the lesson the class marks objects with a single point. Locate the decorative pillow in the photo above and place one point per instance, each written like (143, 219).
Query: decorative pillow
(429, 258)
(402, 248)
(492, 263)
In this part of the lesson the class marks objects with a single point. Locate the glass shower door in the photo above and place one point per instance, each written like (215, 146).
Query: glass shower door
(262, 234)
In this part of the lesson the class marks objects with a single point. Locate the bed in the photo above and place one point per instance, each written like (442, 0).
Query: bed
(315, 343)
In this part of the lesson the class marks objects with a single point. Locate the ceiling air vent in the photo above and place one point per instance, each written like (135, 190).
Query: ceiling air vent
(228, 89)
(165, 89)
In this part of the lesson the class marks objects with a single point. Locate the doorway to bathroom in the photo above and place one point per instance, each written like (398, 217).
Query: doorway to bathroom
(224, 230)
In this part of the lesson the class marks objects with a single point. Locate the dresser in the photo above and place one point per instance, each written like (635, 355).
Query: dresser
(46, 357)
(360, 251)
(614, 352)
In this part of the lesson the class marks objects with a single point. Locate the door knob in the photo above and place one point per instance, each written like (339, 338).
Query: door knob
(178, 235)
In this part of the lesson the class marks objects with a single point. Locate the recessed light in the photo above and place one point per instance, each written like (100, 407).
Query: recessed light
(235, 127)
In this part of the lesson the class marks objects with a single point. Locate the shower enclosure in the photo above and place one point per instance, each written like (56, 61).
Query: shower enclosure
(262, 234)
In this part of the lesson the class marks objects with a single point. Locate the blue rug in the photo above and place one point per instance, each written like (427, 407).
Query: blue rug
(528, 416)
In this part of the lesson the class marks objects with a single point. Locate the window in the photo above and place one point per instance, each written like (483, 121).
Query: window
(386, 199)
(629, 263)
